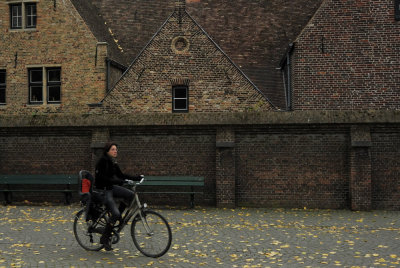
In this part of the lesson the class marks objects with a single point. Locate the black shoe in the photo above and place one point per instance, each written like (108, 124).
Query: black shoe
(106, 241)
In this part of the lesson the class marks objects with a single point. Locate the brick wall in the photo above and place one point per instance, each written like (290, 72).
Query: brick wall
(163, 152)
(308, 165)
(44, 151)
(386, 167)
(61, 39)
(293, 167)
(347, 58)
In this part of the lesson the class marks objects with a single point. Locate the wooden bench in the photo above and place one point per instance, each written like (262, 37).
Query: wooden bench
(172, 182)
(61, 183)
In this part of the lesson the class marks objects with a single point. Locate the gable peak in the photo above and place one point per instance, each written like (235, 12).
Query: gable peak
(180, 5)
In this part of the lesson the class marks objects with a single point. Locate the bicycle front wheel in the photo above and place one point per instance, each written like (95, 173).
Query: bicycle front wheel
(151, 234)
(88, 236)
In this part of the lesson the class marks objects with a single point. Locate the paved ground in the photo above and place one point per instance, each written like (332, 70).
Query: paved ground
(41, 236)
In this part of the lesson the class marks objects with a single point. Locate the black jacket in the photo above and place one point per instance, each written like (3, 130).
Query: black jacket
(108, 174)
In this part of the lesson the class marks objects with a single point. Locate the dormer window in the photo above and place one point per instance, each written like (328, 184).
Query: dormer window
(180, 99)
(23, 15)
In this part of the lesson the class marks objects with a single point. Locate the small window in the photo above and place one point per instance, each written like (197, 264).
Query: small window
(30, 10)
(16, 16)
(397, 9)
(36, 85)
(180, 99)
(44, 85)
(54, 85)
(23, 15)
(2, 86)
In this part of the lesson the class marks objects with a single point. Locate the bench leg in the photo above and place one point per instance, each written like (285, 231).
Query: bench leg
(8, 197)
(68, 197)
(192, 200)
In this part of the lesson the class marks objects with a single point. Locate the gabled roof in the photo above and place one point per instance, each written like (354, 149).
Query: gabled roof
(254, 34)
(206, 67)
(98, 26)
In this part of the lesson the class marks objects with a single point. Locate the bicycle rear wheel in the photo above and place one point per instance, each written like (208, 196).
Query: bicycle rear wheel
(151, 234)
(88, 236)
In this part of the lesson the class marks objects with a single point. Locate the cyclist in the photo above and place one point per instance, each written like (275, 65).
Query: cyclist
(110, 178)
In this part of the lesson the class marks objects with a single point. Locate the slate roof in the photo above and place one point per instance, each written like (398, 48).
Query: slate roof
(253, 33)
(99, 28)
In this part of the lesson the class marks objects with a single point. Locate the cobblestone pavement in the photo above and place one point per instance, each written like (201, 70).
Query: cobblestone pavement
(42, 236)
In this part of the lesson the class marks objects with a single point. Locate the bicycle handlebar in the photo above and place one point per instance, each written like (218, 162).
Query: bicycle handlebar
(141, 181)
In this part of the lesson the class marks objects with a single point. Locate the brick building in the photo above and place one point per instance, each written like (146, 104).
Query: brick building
(273, 105)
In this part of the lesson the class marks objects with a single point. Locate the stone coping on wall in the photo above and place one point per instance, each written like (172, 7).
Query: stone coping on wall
(244, 118)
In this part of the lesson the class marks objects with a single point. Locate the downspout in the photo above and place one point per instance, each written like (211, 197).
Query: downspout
(286, 62)
(108, 75)
(289, 87)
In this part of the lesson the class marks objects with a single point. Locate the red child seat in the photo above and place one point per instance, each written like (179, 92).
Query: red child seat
(86, 185)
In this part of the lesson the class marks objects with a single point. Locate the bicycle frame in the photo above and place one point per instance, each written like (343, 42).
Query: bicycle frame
(147, 227)
(134, 209)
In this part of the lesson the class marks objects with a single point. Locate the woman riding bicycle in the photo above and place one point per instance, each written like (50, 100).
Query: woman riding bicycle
(110, 178)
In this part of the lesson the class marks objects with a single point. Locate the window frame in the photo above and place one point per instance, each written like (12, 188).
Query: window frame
(27, 19)
(20, 16)
(3, 86)
(397, 9)
(45, 84)
(53, 84)
(174, 98)
(32, 84)
(30, 17)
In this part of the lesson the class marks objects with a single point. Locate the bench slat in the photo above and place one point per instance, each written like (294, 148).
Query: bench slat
(38, 179)
(173, 178)
(36, 190)
(161, 192)
(171, 183)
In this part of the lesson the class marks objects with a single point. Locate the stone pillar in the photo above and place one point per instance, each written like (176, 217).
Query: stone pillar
(360, 168)
(99, 138)
(225, 167)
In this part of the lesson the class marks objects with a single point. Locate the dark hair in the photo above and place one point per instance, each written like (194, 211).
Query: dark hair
(108, 146)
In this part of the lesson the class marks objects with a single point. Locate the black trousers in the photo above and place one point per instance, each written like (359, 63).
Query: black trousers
(117, 192)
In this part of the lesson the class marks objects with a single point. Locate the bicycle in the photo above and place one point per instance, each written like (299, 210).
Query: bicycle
(150, 231)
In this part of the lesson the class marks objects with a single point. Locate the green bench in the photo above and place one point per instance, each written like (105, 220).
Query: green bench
(186, 184)
(60, 183)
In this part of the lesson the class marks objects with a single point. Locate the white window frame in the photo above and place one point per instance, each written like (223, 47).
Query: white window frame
(174, 99)
(18, 18)
(24, 16)
(30, 18)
